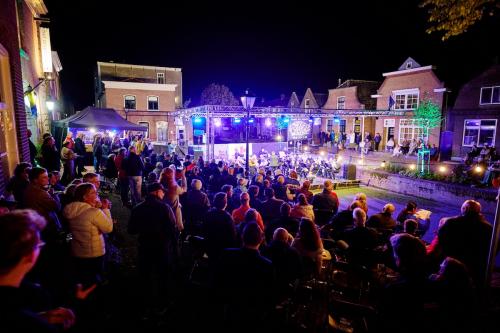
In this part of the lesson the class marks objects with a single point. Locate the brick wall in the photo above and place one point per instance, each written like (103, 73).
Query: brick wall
(9, 40)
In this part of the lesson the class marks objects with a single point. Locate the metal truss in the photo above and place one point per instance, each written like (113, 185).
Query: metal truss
(219, 111)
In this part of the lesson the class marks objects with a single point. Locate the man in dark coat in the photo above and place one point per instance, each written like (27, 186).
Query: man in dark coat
(195, 206)
(325, 204)
(270, 209)
(154, 222)
(384, 220)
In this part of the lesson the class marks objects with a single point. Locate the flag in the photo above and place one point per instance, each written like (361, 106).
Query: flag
(391, 102)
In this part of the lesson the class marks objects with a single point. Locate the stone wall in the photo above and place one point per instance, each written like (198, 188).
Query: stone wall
(453, 194)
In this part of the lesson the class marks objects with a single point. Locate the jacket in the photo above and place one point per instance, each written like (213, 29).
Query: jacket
(299, 211)
(88, 224)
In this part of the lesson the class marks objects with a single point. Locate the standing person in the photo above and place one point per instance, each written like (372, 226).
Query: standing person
(80, 154)
(33, 151)
(377, 140)
(133, 166)
(154, 222)
(69, 139)
(172, 193)
(51, 159)
(97, 150)
(122, 177)
(88, 223)
(68, 157)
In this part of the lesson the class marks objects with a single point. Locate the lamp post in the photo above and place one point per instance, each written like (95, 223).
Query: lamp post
(247, 100)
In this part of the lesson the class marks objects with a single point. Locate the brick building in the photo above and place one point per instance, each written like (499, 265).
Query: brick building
(145, 95)
(475, 117)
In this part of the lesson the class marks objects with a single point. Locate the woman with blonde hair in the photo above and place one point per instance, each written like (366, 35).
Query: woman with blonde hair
(172, 193)
(361, 197)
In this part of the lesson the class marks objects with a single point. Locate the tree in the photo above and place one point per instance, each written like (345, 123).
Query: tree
(428, 110)
(217, 94)
(454, 17)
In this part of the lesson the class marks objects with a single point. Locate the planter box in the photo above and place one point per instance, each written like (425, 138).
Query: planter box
(453, 194)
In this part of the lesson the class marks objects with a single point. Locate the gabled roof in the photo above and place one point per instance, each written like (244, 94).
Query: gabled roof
(356, 83)
(320, 99)
(294, 101)
(409, 63)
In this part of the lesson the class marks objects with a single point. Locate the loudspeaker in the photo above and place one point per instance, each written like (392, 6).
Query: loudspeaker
(349, 171)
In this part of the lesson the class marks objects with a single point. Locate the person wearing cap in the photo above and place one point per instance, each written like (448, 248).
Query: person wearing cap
(154, 222)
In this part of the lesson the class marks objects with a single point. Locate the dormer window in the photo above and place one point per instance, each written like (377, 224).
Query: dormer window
(307, 104)
(408, 65)
(490, 95)
(160, 78)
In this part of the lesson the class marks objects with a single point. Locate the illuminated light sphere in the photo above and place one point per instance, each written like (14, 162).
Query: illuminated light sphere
(382, 164)
(218, 122)
(268, 122)
(279, 137)
(92, 130)
(478, 169)
(251, 120)
(442, 169)
(413, 166)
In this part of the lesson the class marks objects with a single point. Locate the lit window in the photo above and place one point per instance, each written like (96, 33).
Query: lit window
(341, 102)
(410, 129)
(152, 102)
(129, 102)
(479, 131)
(160, 78)
(406, 100)
(490, 95)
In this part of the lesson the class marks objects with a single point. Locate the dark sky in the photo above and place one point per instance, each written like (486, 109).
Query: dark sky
(271, 47)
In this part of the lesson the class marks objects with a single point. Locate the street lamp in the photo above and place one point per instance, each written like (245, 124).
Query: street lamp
(247, 100)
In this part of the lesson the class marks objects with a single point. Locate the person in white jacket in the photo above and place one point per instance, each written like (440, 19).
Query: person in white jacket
(88, 223)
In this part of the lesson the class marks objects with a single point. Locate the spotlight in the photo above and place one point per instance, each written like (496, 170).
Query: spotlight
(306, 148)
(413, 166)
(197, 120)
(218, 123)
(442, 169)
(382, 164)
(279, 137)
(268, 122)
(237, 120)
(322, 153)
(92, 130)
(478, 169)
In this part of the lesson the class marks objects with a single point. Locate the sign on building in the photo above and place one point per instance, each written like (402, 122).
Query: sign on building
(389, 122)
(46, 50)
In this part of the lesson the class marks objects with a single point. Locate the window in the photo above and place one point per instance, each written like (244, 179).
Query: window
(479, 131)
(145, 123)
(160, 78)
(406, 99)
(329, 125)
(307, 103)
(357, 125)
(490, 95)
(161, 131)
(152, 102)
(342, 125)
(129, 102)
(341, 102)
(410, 129)
(408, 65)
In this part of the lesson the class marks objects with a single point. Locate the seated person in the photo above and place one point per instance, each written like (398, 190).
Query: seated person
(492, 172)
(473, 153)
(390, 145)
(485, 153)
(398, 151)
(362, 240)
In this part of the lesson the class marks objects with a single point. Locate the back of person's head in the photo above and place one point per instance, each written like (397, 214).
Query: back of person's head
(122, 151)
(242, 182)
(76, 181)
(293, 174)
(251, 215)
(244, 198)
(355, 204)
(19, 237)
(302, 199)
(252, 235)
(196, 184)
(269, 193)
(282, 235)
(82, 190)
(253, 190)
(309, 234)
(285, 209)
(306, 184)
(411, 206)
(281, 179)
(89, 176)
(21, 168)
(409, 253)
(359, 216)
(220, 200)
(152, 177)
(360, 196)
(471, 208)
(410, 226)
(454, 273)
(388, 208)
(227, 188)
(267, 183)
(35, 173)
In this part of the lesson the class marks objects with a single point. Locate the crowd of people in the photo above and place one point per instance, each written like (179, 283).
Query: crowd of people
(262, 231)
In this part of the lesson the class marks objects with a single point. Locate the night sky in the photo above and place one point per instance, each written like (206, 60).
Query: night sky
(269, 47)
